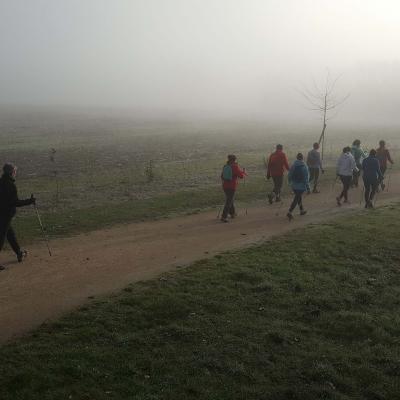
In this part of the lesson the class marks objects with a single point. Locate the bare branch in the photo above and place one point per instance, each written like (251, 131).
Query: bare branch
(317, 89)
(332, 86)
(310, 100)
(324, 101)
(339, 103)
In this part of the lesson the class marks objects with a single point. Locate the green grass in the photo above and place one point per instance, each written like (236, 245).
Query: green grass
(311, 315)
(101, 164)
(66, 221)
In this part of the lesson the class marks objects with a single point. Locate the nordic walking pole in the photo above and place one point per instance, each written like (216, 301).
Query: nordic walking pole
(280, 205)
(389, 176)
(244, 184)
(219, 212)
(376, 198)
(42, 228)
(362, 195)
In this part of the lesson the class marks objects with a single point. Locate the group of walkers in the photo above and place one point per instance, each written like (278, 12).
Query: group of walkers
(304, 174)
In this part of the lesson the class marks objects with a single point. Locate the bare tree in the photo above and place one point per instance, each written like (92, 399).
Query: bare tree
(324, 101)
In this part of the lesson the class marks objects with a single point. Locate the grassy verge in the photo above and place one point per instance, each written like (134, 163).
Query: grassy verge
(312, 315)
(66, 222)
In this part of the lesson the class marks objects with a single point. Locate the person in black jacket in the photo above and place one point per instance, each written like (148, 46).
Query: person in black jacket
(9, 201)
(372, 177)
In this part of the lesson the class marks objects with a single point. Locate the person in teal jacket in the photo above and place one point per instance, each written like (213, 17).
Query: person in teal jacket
(359, 154)
(299, 181)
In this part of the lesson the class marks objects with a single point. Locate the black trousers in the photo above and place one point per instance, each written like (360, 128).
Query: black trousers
(314, 176)
(229, 207)
(297, 200)
(7, 232)
(278, 183)
(346, 180)
(370, 190)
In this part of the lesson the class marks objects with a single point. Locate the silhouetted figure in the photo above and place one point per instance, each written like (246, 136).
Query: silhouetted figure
(9, 201)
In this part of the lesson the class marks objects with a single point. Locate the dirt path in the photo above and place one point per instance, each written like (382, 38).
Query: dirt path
(100, 262)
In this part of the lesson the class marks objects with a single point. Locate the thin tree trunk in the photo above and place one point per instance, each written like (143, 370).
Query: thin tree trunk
(322, 137)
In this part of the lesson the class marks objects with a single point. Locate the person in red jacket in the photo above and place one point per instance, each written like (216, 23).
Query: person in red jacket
(230, 175)
(383, 155)
(277, 164)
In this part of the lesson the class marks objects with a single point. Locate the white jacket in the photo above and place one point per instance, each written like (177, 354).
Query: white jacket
(346, 164)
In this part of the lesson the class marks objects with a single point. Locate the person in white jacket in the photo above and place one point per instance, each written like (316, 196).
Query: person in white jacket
(345, 167)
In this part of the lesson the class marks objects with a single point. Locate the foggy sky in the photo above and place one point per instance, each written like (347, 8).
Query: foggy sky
(244, 57)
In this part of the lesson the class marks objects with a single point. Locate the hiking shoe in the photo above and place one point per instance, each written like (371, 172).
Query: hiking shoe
(290, 216)
(224, 220)
(303, 212)
(270, 198)
(315, 190)
(277, 200)
(233, 215)
(338, 201)
(21, 255)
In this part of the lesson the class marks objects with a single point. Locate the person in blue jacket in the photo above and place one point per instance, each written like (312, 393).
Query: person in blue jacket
(372, 177)
(299, 181)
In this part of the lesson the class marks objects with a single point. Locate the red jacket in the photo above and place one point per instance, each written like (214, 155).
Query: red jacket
(236, 173)
(277, 164)
(383, 156)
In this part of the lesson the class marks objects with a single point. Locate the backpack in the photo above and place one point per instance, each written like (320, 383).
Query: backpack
(227, 173)
(297, 174)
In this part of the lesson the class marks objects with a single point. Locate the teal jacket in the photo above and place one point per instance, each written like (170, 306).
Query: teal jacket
(358, 154)
(299, 177)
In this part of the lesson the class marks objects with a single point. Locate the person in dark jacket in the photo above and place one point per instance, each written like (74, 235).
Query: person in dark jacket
(314, 164)
(229, 185)
(9, 201)
(299, 181)
(372, 176)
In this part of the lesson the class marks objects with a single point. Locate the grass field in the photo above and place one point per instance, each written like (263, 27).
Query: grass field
(99, 175)
(311, 315)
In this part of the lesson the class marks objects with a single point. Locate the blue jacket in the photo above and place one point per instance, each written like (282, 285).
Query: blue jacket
(301, 184)
(372, 170)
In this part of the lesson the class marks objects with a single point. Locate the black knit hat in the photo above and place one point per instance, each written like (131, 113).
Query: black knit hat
(8, 169)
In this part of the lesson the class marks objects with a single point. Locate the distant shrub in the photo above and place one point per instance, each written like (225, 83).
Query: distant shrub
(149, 171)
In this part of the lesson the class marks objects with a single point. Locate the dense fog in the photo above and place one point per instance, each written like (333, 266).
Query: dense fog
(202, 58)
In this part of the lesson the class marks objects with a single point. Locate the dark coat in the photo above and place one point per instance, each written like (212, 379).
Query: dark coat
(9, 200)
(372, 170)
